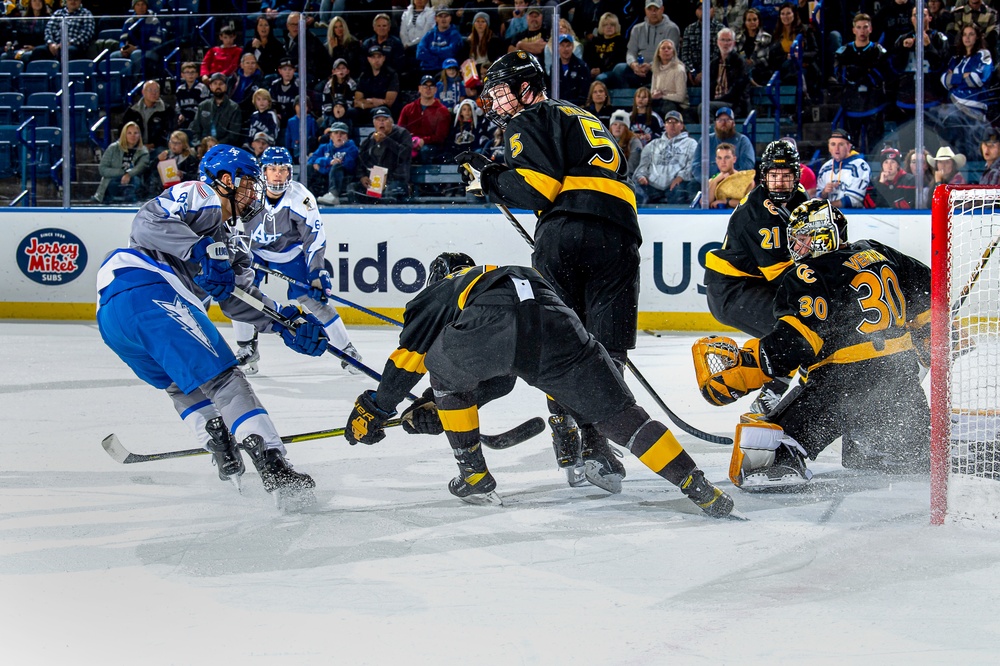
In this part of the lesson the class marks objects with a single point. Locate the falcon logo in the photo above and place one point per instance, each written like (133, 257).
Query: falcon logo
(179, 312)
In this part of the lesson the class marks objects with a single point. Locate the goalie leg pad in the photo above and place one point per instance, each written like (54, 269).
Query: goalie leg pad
(765, 458)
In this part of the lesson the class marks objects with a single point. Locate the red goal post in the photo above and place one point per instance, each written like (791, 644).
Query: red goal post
(965, 354)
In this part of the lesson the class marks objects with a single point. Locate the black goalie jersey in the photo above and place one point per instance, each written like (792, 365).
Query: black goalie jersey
(562, 159)
(863, 302)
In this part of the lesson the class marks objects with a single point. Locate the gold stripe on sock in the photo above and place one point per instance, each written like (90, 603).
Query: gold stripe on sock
(662, 452)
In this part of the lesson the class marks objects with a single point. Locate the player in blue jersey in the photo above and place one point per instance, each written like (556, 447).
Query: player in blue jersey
(152, 300)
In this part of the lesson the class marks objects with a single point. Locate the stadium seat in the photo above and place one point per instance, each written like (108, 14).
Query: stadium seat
(10, 75)
(81, 74)
(10, 107)
(44, 106)
(40, 76)
(111, 89)
(48, 148)
(8, 151)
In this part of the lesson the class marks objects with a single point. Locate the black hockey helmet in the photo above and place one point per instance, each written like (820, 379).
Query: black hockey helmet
(514, 69)
(447, 263)
(780, 155)
(815, 228)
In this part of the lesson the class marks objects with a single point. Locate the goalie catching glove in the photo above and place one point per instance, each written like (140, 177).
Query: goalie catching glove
(421, 417)
(726, 372)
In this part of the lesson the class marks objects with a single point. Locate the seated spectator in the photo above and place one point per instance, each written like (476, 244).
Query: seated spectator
(977, 13)
(967, 79)
(284, 91)
(450, 89)
(317, 57)
(779, 57)
(532, 38)
(142, 37)
(844, 178)
(151, 116)
(340, 83)
(185, 161)
(332, 165)
(363, 12)
(947, 165)
(990, 148)
(468, 131)
(496, 148)
(894, 188)
(389, 147)
(418, 19)
(637, 69)
(669, 86)
(27, 32)
(265, 47)
(392, 47)
(207, 143)
(188, 94)
(468, 9)
(574, 75)
(903, 66)
(261, 141)
(923, 175)
(598, 102)
(941, 17)
(629, 143)
(753, 44)
(564, 29)
(79, 30)
(646, 123)
(587, 17)
(292, 135)
(891, 22)
(428, 121)
(440, 43)
(340, 43)
(218, 117)
(263, 119)
(122, 167)
(724, 131)
(246, 81)
(666, 169)
(223, 59)
(518, 21)
(378, 86)
(732, 12)
(608, 48)
(343, 111)
(860, 67)
(278, 10)
(482, 46)
(691, 44)
(728, 186)
(728, 79)
(807, 177)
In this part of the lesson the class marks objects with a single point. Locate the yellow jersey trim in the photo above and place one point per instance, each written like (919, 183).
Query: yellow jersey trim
(866, 351)
(776, 270)
(464, 296)
(814, 340)
(606, 185)
(720, 265)
(409, 361)
(547, 186)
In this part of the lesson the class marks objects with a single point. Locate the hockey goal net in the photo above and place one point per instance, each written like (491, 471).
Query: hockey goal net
(965, 357)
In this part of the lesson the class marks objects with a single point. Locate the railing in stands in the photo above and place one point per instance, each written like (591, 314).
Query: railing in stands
(16, 201)
(749, 127)
(29, 161)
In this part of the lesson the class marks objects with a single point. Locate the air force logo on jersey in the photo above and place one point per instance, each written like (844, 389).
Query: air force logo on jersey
(260, 236)
(179, 312)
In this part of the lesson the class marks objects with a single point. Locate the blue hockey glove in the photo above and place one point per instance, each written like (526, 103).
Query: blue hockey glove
(320, 285)
(365, 424)
(308, 338)
(216, 277)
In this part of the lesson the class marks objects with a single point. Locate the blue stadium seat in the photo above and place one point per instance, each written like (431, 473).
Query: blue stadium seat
(10, 75)
(112, 89)
(10, 107)
(40, 76)
(83, 114)
(81, 75)
(8, 151)
(48, 148)
(44, 106)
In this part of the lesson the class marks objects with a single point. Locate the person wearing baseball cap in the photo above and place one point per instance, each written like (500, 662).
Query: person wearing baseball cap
(378, 85)
(725, 132)
(843, 179)
(390, 147)
(427, 120)
(990, 148)
(640, 53)
(666, 172)
(392, 47)
(894, 188)
(333, 164)
(532, 38)
(441, 42)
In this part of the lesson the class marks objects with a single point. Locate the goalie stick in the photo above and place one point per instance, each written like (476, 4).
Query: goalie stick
(504, 440)
(677, 421)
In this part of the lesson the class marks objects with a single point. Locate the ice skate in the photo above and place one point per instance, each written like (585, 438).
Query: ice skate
(247, 355)
(225, 454)
(353, 352)
(603, 467)
(768, 398)
(713, 501)
(289, 488)
(474, 483)
(568, 448)
(786, 473)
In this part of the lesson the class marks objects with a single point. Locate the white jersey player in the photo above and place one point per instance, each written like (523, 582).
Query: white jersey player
(287, 236)
(152, 300)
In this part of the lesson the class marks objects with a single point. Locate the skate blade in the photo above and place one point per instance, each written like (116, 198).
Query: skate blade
(483, 499)
(293, 499)
(760, 482)
(237, 481)
(249, 369)
(735, 515)
(612, 483)
(351, 369)
(576, 476)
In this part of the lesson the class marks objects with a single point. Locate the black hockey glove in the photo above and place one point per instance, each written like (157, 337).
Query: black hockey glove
(477, 161)
(365, 423)
(421, 417)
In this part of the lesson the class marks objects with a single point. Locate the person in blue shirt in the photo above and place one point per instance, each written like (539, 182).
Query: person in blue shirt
(441, 42)
(292, 131)
(332, 164)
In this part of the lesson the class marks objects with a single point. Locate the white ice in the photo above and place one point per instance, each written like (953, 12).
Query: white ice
(162, 563)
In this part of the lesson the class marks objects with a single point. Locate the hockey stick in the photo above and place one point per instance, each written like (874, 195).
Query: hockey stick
(680, 423)
(344, 301)
(504, 440)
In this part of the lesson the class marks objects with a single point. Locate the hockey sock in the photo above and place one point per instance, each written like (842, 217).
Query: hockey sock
(650, 441)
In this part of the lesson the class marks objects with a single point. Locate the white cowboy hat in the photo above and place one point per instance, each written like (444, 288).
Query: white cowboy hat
(946, 153)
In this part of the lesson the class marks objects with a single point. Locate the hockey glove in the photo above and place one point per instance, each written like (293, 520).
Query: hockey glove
(308, 336)
(366, 421)
(320, 285)
(216, 276)
(477, 161)
(421, 417)
(726, 373)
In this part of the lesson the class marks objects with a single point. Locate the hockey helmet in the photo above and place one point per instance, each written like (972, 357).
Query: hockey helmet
(815, 228)
(514, 70)
(247, 190)
(277, 178)
(780, 155)
(447, 263)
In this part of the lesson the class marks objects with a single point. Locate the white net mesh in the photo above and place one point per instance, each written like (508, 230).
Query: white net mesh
(974, 375)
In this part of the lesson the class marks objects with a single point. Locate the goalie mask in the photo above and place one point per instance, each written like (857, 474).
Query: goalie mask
(277, 165)
(504, 86)
(814, 229)
(447, 263)
(780, 170)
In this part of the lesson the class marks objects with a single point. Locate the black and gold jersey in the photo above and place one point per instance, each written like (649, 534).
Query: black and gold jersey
(756, 243)
(863, 301)
(562, 159)
(433, 309)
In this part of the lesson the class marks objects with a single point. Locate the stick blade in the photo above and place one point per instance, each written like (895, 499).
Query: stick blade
(516, 435)
(117, 452)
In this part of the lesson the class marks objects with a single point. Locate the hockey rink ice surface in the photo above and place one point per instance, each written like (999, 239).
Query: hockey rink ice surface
(162, 563)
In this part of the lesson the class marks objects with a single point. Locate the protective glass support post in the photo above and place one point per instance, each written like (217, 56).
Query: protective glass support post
(303, 103)
(706, 96)
(555, 53)
(67, 103)
(918, 121)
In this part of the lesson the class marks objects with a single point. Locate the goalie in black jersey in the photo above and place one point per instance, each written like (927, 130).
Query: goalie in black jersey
(475, 329)
(563, 163)
(853, 322)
